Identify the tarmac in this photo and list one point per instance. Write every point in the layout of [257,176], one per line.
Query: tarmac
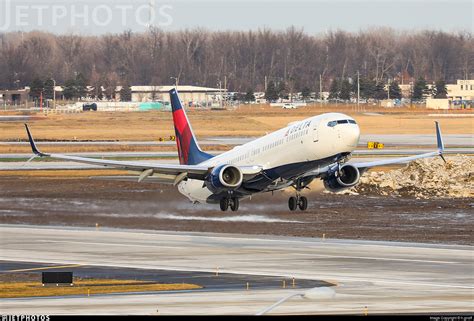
[369,276]
[453,140]
[367,152]
[215,281]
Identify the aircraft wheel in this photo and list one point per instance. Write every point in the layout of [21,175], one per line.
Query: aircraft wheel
[234,206]
[224,204]
[292,203]
[303,203]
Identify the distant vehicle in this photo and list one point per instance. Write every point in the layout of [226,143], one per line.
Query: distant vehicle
[337,101]
[288,106]
[89,107]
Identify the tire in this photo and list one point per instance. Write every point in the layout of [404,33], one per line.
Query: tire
[234,206]
[303,203]
[292,203]
[224,204]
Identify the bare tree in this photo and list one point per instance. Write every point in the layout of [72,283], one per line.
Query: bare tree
[243,58]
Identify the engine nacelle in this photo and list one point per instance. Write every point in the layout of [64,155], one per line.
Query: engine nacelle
[224,178]
[346,177]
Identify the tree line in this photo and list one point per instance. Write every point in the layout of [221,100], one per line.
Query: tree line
[345,89]
[76,88]
[290,60]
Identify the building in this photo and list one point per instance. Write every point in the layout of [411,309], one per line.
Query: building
[14,97]
[463,90]
[406,89]
[438,103]
[459,95]
[190,95]
[19,97]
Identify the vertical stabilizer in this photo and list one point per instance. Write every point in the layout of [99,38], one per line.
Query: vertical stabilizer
[188,148]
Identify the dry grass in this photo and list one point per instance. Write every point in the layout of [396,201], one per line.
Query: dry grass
[77,148]
[66,174]
[81,287]
[244,121]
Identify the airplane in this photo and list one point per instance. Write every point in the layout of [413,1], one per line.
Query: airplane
[318,147]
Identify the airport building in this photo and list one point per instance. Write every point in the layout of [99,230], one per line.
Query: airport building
[14,97]
[190,95]
[462,90]
[459,96]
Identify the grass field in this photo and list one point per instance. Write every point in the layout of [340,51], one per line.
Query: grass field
[78,148]
[245,121]
[66,174]
[86,287]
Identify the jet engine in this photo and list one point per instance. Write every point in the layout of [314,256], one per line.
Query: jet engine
[224,178]
[345,177]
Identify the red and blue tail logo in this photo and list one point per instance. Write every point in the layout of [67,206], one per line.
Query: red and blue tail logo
[188,149]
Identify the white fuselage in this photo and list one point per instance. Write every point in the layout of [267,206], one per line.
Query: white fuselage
[303,141]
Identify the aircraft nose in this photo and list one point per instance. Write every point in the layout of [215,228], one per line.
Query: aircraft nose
[352,135]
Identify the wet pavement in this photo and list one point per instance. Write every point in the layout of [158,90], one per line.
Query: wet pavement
[124,204]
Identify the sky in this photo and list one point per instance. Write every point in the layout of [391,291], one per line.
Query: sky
[91,17]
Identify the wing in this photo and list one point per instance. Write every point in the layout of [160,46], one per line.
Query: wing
[366,165]
[170,172]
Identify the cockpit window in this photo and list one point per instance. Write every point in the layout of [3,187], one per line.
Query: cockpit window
[342,121]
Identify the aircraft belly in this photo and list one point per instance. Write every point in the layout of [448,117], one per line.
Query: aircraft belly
[193,189]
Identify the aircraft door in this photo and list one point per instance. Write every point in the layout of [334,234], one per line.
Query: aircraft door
[315,133]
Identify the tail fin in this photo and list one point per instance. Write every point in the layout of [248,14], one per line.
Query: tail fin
[439,141]
[188,148]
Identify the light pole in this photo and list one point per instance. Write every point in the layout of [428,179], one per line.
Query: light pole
[54,94]
[311,294]
[220,93]
[388,89]
[320,90]
[176,81]
[358,90]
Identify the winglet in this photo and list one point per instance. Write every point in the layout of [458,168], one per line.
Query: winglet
[35,150]
[439,141]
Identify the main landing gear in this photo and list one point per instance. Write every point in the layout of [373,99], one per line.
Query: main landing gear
[298,201]
[232,202]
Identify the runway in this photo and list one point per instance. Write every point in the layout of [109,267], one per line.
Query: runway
[356,153]
[452,140]
[385,277]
